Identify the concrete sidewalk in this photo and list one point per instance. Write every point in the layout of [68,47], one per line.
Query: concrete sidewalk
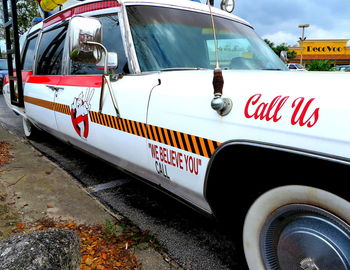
[36,188]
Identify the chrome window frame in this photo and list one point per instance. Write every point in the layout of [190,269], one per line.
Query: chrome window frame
[30,36]
[98,13]
[42,31]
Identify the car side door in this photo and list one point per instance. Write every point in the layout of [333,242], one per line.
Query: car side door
[119,139]
[41,86]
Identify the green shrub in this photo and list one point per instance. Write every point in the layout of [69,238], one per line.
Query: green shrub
[320,65]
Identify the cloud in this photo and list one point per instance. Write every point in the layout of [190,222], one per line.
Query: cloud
[282,37]
[313,32]
[278,20]
[338,32]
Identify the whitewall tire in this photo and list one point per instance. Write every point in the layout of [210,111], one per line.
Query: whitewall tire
[30,131]
[297,227]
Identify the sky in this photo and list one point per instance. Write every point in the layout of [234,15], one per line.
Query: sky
[278,20]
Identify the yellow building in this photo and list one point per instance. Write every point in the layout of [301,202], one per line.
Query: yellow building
[336,50]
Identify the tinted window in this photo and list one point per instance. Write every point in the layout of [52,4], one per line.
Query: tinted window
[50,51]
[28,57]
[112,40]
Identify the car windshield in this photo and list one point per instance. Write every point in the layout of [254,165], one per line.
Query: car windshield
[169,38]
[3,64]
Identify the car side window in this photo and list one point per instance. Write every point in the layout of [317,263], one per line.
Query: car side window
[28,56]
[112,40]
[50,51]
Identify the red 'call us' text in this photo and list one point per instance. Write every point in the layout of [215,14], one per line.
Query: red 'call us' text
[303,110]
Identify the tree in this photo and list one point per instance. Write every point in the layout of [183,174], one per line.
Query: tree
[270,43]
[26,11]
[282,47]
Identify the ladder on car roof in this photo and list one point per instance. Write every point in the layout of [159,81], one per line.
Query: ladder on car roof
[13,52]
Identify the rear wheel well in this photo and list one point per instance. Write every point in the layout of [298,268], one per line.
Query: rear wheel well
[240,173]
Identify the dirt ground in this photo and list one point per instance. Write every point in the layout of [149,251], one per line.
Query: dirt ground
[37,195]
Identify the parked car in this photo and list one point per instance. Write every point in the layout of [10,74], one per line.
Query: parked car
[296,67]
[3,71]
[342,68]
[214,118]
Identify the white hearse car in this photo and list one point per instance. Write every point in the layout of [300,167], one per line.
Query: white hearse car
[263,148]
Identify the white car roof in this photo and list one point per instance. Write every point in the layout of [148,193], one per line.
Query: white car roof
[187,4]
[183,4]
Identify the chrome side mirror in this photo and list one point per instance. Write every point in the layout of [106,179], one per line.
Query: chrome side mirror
[112,61]
[84,34]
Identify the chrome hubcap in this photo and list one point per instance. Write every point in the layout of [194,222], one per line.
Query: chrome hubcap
[305,237]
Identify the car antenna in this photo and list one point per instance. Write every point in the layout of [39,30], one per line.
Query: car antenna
[223,106]
[210,3]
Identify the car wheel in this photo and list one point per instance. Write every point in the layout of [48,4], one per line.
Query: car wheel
[298,227]
[30,131]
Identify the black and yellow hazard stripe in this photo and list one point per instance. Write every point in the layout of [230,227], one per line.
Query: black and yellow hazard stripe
[190,143]
[62,108]
[40,102]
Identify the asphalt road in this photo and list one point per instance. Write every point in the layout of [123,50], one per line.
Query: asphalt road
[192,240]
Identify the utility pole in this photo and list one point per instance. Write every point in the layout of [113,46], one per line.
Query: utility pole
[302,39]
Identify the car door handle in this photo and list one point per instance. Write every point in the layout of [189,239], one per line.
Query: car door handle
[54,88]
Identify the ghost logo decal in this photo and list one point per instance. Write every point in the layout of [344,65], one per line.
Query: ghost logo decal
[79,113]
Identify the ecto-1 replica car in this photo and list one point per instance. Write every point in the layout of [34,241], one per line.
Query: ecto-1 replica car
[263,148]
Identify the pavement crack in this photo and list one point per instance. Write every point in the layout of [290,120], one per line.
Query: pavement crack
[15,183]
